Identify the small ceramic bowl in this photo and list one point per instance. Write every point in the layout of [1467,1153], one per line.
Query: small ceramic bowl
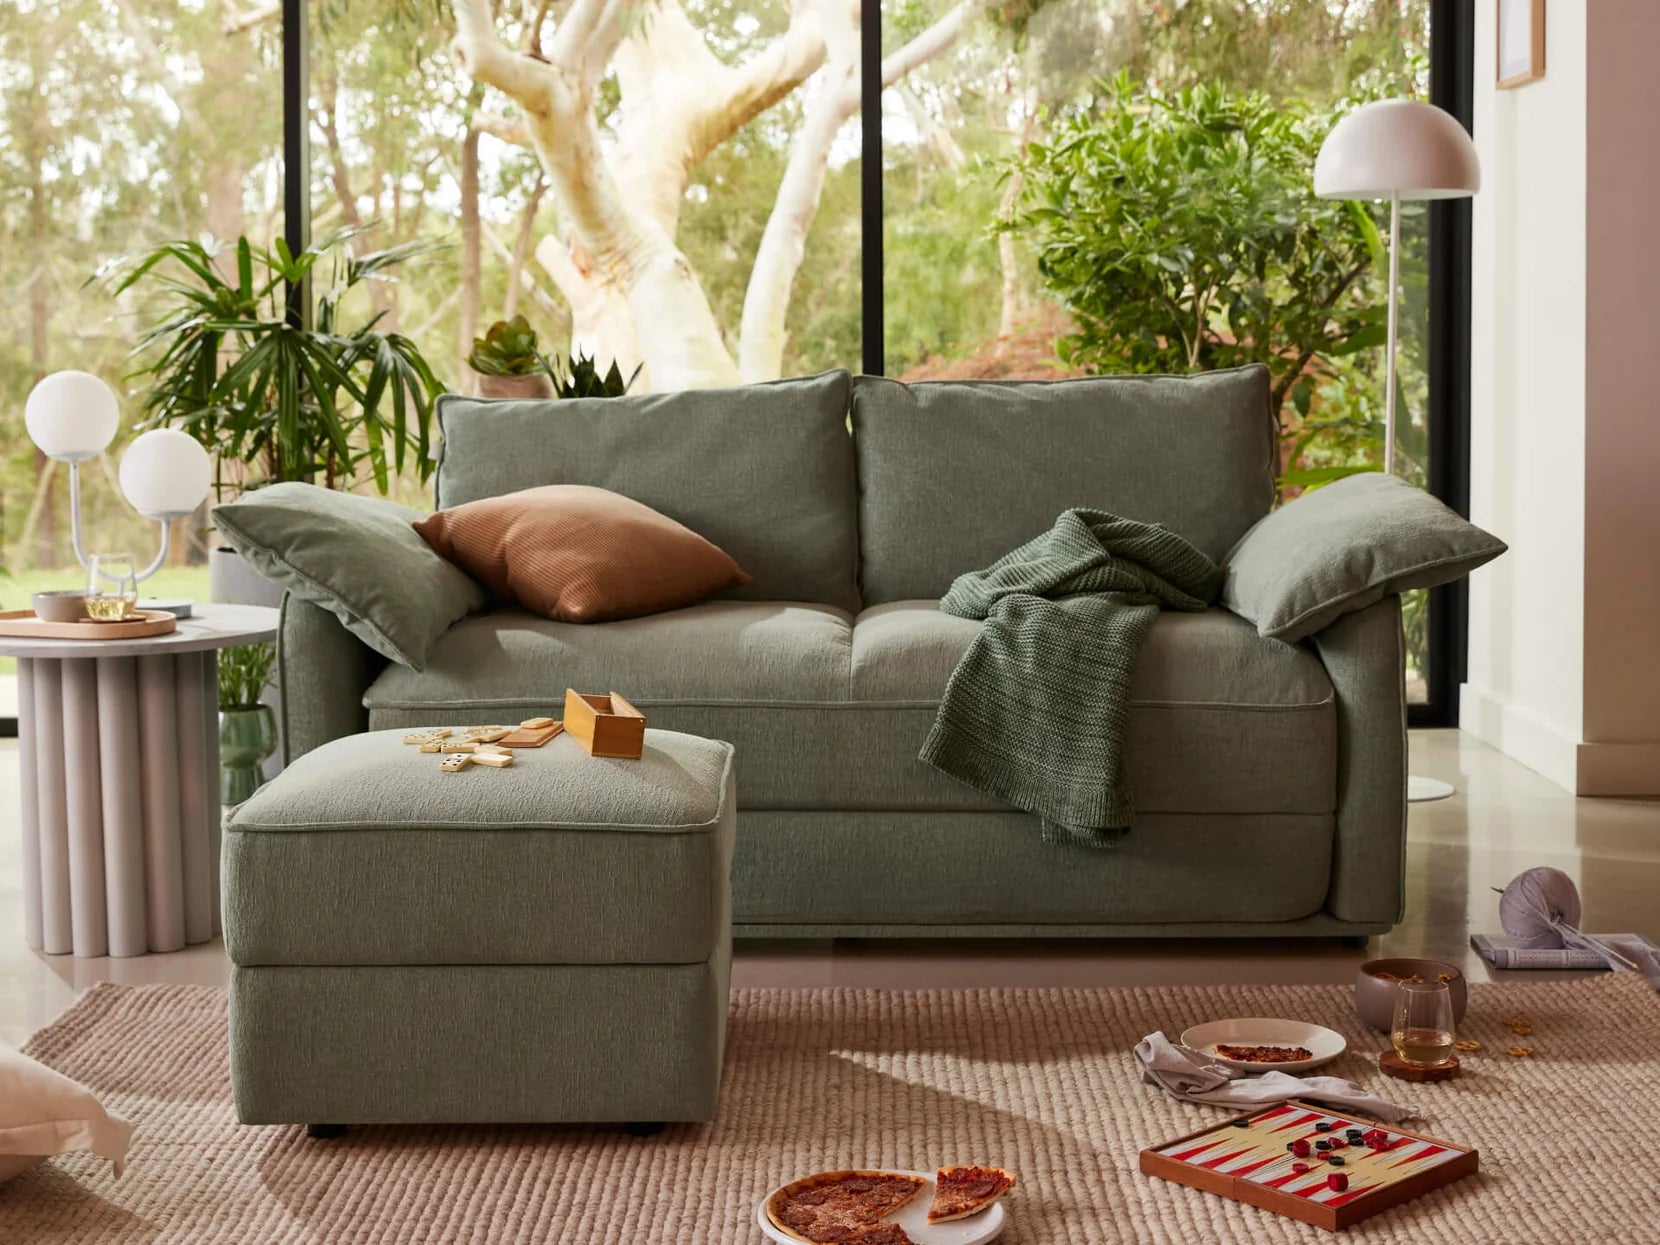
[1375,995]
[64,605]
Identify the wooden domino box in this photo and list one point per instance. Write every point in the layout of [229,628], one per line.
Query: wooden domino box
[1249,1159]
[607,726]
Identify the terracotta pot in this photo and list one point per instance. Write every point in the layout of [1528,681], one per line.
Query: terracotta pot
[536,385]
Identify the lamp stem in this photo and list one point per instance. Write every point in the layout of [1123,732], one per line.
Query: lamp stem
[75,512]
[161,556]
[1394,313]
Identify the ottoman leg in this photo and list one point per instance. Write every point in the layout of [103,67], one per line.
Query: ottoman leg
[643,1129]
[325,1132]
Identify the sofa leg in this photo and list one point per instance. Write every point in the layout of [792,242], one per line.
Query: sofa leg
[644,1129]
[1356,941]
[325,1132]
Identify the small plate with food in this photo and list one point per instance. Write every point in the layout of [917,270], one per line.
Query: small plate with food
[1259,1044]
[952,1206]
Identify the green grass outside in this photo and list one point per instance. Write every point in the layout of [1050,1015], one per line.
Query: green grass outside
[188,582]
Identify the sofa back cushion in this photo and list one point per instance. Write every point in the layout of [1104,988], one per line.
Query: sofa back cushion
[765,472]
[954,474]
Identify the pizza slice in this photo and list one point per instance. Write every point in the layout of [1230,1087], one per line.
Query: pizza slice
[882,1234]
[843,1206]
[963,1191]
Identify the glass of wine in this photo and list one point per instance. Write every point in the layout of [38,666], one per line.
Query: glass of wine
[111,586]
[1423,1030]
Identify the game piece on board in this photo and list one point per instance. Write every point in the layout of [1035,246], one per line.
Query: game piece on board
[1299,1147]
[1354,1135]
[1324,1126]
[1301,1169]
[1337,1182]
[1322,1145]
[1336,1160]
[1242,1123]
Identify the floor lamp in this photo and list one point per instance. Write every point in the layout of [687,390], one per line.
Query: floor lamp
[1398,149]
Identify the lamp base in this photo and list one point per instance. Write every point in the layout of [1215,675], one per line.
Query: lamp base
[1419,790]
[177,608]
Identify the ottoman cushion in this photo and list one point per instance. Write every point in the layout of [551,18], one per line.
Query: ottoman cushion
[363,853]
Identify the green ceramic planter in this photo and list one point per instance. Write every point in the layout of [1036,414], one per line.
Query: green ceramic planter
[247,737]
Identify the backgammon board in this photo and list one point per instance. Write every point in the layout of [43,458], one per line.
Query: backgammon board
[1328,1169]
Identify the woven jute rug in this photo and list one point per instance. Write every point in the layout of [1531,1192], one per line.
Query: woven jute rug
[1040,1081]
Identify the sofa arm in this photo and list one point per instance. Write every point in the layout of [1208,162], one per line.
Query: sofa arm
[1365,657]
[322,672]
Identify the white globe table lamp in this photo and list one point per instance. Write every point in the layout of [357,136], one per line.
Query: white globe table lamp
[1398,149]
[73,416]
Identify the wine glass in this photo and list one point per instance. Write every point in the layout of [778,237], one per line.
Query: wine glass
[1423,1029]
[111,586]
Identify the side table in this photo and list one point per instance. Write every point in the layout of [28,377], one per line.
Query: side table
[120,767]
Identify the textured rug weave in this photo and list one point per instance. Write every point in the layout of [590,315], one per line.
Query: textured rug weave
[1040,1081]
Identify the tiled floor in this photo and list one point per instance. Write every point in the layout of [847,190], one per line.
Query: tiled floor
[1503,819]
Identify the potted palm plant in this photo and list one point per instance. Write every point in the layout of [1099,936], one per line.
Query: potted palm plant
[247,729]
[329,399]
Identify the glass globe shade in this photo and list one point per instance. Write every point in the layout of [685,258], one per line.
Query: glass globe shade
[71,416]
[165,473]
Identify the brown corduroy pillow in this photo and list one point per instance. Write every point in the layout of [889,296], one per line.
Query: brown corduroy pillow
[580,554]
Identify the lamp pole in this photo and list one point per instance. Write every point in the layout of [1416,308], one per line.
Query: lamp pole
[1394,330]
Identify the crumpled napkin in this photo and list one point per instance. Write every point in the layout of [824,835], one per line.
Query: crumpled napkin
[1184,1073]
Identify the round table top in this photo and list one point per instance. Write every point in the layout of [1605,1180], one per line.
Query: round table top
[209,627]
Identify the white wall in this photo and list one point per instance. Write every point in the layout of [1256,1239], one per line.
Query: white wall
[1527,402]
[1565,411]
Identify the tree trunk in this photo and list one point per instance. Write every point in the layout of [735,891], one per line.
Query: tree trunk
[471,249]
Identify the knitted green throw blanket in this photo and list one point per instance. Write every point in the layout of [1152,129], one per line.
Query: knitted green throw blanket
[1035,711]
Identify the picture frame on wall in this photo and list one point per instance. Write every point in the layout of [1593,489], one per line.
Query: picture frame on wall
[1521,42]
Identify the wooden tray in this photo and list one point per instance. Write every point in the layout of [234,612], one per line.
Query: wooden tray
[1247,1161]
[22,624]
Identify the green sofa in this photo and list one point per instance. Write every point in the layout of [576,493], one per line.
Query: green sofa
[1269,776]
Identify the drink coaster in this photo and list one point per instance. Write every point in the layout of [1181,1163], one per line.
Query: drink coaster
[1391,1064]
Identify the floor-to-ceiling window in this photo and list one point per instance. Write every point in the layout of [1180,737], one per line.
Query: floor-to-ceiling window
[722,192]
[123,123]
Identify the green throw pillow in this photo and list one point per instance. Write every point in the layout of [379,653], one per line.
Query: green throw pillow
[1344,547]
[357,557]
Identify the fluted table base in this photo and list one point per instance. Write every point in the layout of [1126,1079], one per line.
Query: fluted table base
[120,761]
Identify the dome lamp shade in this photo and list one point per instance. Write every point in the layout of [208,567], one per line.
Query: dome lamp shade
[71,416]
[165,474]
[1397,147]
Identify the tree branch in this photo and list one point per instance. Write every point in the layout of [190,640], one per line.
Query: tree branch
[507,129]
[238,23]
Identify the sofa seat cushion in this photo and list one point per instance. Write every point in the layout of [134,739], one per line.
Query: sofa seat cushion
[828,713]
[363,852]
[1221,720]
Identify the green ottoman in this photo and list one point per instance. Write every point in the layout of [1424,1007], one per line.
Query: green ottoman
[546,942]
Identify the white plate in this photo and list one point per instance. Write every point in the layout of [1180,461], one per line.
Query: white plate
[913,1217]
[1324,1044]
